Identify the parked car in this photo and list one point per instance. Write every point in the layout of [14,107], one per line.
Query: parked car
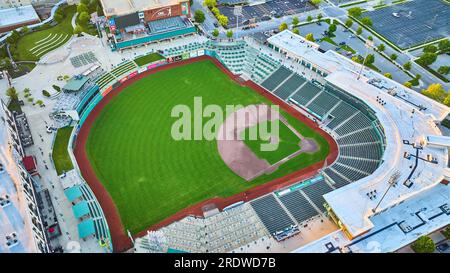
[443,247]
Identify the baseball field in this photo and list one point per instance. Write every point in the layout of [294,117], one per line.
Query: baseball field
[150,176]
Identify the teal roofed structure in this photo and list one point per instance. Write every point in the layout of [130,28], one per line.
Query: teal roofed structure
[73,193]
[75,84]
[81,209]
[86,228]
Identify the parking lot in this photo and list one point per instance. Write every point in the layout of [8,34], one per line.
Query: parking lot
[265,11]
[412,23]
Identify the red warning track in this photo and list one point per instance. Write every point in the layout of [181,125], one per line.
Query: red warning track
[120,240]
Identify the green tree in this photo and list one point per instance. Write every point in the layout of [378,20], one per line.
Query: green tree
[332,28]
[423,244]
[230,33]
[82,8]
[444,70]
[366,21]
[370,59]
[427,58]
[310,37]
[319,16]
[435,91]
[430,48]
[215,32]
[388,75]
[223,20]
[370,38]
[381,47]
[309,18]
[407,66]
[393,56]
[444,46]
[12,93]
[77,30]
[295,21]
[296,31]
[84,18]
[446,232]
[283,26]
[407,84]
[349,23]
[5,63]
[210,3]
[359,31]
[355,11]
[85,2]
[199,16]
[316,2]
[215,11]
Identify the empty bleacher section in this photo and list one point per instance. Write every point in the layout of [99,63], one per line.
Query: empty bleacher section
[179,50]
[123,68]
[305,94]
[104,80]
[276,78]
[323,103]
[298,206]
[289,86]
[338,180]
[341,113]
[232,55]
[273,216]
[221,232]
[316,191]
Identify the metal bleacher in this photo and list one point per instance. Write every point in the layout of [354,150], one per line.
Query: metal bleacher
[316,191]
[276,78]
[298,206]
[272,215]
[305,94]
[289,87]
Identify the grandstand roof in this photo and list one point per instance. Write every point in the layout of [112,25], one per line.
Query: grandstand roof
[81,209]
[124,7]
[75,84]
[86,228]
[73,193]
[350,203]
[19,15]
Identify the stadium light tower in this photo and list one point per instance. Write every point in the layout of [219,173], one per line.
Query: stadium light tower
[393,181]
[237,12]
[368,45]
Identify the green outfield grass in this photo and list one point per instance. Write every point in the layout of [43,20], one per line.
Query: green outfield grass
[288,142]
[60,154]
[149,175]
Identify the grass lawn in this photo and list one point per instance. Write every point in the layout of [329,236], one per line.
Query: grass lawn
[141,61]
[149,175]
[34,40]
[60,155]
[287,145]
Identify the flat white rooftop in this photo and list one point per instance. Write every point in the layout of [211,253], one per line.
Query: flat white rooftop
[15,16]
[393,228]
[123,7]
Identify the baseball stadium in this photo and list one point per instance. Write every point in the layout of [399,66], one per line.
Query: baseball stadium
[147,181]
[158,138]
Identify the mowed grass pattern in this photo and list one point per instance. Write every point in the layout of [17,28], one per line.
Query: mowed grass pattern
[288,141]
[149,175]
